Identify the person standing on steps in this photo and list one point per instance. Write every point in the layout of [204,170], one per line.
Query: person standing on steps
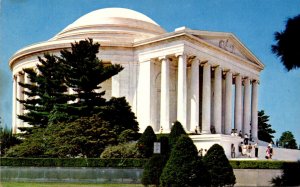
[256,150]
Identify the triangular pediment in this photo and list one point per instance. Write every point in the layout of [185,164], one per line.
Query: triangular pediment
[227,42]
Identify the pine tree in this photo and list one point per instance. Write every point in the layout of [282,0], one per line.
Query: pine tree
[218,166]
[264,128]
[84,73]
[146,142]
[46,90]
[176,131]
[118,112]
[184,167]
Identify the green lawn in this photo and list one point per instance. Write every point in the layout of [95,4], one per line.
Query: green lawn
[25,184]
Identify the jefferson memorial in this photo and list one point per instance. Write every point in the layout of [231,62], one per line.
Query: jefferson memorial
[206,80]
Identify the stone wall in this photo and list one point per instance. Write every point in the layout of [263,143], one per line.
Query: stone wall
[244,177]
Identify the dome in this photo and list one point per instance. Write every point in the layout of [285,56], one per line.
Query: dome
[112,24]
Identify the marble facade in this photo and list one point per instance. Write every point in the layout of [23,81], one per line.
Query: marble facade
[202,79]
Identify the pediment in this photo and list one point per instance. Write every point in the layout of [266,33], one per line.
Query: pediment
[227,42]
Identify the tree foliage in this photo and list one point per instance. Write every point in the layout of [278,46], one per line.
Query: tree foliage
[287,44]
[45,90]
[146,142]
[123,150]
[287,140]
[176,131]
[264,128]
[153,169]
[289,176]
[184,167]
[7,140]
[218,166]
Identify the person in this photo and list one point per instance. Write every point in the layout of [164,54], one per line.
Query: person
[161,129]
[246,139]
[249,149]
[240,148]
[232,151]
[240,134]
[244,149]
[200,153]
[196,131]
[235,132]
[204,152]
[268,153]
[256,149]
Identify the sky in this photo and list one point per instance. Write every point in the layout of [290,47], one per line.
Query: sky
[253,22]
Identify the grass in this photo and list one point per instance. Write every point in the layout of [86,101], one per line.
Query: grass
[31,184]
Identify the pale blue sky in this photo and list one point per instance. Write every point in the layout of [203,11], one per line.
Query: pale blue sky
[24,22]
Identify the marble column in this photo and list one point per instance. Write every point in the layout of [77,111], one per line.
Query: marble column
[228,102]
[194,95]
[254,100]
[165,95]
[217,121]
[247,113]
[14,107]
[238,104]
[206,98]
[182,91]
[20,96]
[145,96]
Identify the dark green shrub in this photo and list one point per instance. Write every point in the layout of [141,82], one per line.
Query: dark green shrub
[256,164]
[290,175]
[164,145]
[153,169]
[176,131]
[218,166]
[127,136]
[73,162]
[146,142]
[125,150]
[184,167]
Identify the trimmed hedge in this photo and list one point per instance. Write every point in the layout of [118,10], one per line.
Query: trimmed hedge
[73,162]
[258,164]
[121,163]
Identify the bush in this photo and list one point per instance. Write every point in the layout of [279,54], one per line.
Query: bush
[127,136]
[184,167]
[218,166]
[125,150]
[257,164]
[176,131]
[153,169]
[73,162]
[290,175]
[146,142]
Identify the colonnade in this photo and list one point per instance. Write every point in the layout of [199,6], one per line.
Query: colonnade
[239,111]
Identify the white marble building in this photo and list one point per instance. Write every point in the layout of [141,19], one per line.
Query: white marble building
[199,78]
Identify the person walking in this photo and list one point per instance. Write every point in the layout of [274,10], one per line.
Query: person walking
[232,151]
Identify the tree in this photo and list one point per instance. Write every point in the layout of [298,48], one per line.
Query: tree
[288,40]
[146,142]
[176,131]
[289,176]
[153,168]
[46,90]
[84,73]
[264,128]
[118,112]
[218,166]
[184,167]
[287,140]
[86,136]
[7,140]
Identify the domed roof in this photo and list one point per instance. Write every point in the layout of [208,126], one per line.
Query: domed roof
[111,23]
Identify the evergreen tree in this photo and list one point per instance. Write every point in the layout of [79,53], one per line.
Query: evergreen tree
[86,136]
[288,40]
[176,131]
[146,142]
[287,140]
[153,169]
[264,128]
[7,140]
[219,167]
[118,112]
[184,167]
[154,166]
[46,90]
[84,73]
